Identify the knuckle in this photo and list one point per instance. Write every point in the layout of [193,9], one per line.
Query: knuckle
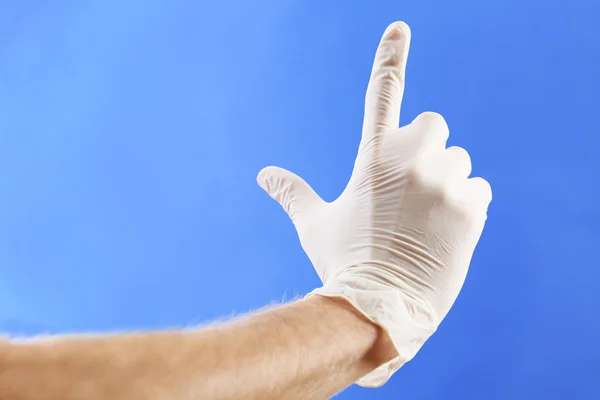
[433,118]
[482,189]
[483,185]
[459,153]
[459,158]
[434,125]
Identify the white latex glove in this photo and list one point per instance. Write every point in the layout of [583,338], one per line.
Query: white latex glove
[398,241]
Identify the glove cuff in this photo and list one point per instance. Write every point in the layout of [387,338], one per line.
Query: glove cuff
[408,324]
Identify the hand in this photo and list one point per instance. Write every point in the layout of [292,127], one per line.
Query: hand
[398,241]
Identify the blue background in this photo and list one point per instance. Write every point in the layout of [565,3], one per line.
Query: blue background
[131,134]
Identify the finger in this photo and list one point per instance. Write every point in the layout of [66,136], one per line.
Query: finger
[430,130]
[293,193]
[459,162]
[386,85]
[480,191]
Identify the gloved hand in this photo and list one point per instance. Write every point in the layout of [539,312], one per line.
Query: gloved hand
[398,241]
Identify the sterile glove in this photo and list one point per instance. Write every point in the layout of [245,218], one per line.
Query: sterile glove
[398,241]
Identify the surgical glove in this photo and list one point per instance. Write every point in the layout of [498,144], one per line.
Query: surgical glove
[398,241]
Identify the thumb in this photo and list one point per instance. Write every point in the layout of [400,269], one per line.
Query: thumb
[289,190]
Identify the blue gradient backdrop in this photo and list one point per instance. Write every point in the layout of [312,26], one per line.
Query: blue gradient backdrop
[131,134]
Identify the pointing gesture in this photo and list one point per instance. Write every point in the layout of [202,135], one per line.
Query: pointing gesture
[398,242]
[386,86]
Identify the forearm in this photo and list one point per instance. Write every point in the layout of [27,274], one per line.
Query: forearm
[312,348]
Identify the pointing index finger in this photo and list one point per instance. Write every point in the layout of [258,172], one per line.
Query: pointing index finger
[386,86]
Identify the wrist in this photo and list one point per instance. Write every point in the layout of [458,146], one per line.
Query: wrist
[407,324]
[382,349]
[381,291]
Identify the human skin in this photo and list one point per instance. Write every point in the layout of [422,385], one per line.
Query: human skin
[309,349]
